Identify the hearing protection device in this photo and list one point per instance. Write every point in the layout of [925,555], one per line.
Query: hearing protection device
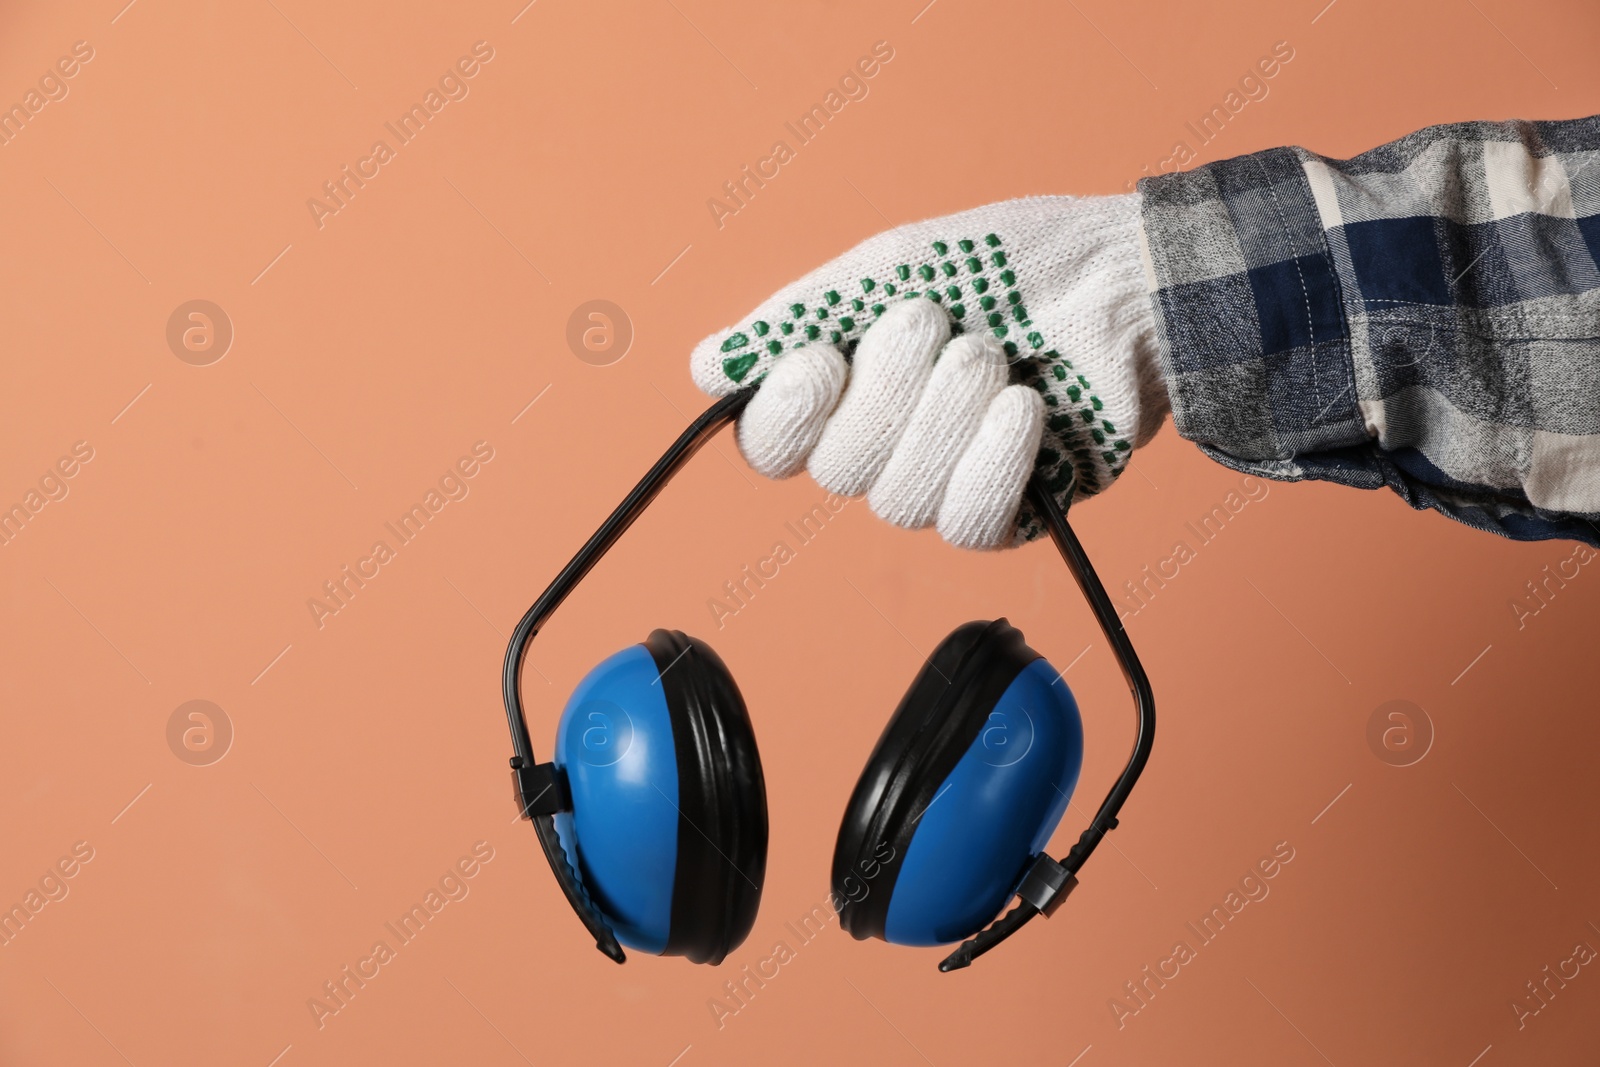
[652,812]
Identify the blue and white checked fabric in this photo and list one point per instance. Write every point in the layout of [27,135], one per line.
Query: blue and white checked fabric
[1424,316]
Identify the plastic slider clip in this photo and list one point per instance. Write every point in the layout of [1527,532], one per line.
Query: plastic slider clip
[1046,885]
[539,789]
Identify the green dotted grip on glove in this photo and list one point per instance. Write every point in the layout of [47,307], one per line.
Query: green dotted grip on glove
[970,283]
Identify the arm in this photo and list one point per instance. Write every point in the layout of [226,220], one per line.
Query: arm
[1424,316]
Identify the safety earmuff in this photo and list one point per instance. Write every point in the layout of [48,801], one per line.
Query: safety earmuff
[668,807]
[966,785]
[652,813]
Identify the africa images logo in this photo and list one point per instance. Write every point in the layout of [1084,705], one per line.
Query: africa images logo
[852,86]
[452,85]
[452,886]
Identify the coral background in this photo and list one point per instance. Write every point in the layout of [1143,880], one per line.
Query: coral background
[375,346]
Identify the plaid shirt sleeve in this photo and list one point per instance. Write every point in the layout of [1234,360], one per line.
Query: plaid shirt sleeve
[1424,316]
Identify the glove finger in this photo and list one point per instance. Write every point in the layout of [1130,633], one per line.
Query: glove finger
[968,374]
[980,503]
[783,421]
[891,369]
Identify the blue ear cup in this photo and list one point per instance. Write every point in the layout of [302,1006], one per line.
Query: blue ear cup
[964,788]
[668,827]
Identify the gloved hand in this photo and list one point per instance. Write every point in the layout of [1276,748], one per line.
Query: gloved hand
[1053,364]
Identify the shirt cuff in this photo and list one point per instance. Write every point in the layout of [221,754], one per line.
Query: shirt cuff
[1249,316]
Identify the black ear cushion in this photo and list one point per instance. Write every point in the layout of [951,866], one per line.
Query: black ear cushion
[722,801]
[935,724]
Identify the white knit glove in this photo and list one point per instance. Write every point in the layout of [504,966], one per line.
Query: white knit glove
[1053,366]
